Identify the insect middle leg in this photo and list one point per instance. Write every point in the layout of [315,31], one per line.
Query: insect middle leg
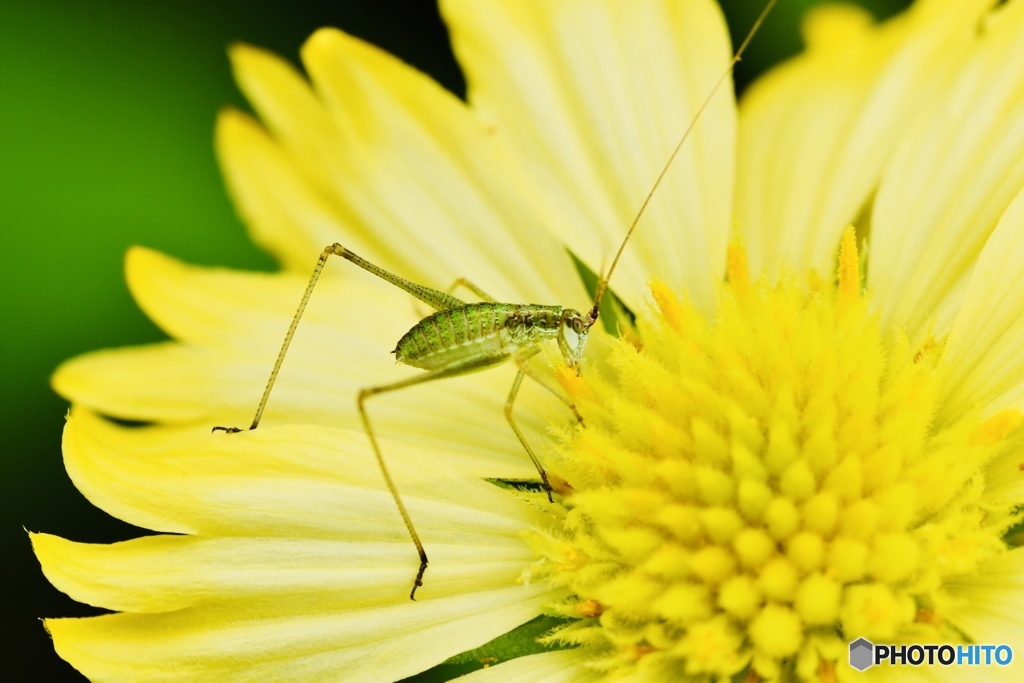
[484,296]
[521,361]
[463,282]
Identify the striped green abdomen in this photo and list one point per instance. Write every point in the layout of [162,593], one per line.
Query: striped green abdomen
[476,330]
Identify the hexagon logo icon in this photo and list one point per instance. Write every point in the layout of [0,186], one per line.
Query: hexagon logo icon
[861,654]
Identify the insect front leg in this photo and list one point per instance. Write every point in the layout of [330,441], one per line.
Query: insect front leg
[532,374]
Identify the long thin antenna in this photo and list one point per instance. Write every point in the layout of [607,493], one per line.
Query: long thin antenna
[602,283]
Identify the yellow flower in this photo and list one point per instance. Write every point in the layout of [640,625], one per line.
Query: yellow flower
[779,461]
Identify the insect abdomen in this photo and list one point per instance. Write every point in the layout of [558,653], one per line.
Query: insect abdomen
[474,330]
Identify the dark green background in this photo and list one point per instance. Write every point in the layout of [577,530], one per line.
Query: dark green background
[106,124]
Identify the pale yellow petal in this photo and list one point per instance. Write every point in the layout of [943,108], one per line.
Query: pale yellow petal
[166,573]
[246,311]
[294,114]
[427,171]
[302,567]
[562,666]
[226,642]
[989,608]
[950,180]
[590,99]
[411,171]
[232,325]
[1004,476]
[197,390]
[293,481]
[160,382]
[281,181]
[815,133]
[982,363]
[893,674]
[283,211]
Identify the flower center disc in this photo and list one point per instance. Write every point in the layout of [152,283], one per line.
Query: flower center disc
[760,489]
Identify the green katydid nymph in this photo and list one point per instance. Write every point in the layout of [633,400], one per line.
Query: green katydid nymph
[462,337]
[458,338]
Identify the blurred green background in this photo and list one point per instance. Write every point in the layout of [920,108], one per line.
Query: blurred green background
[106,124]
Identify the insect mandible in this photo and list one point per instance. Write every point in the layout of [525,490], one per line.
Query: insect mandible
[462,337]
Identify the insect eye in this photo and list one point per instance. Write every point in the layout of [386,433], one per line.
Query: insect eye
[577,325]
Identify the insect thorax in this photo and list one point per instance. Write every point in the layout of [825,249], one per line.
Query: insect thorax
[479,330]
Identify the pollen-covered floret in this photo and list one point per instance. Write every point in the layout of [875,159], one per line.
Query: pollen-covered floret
[757,489]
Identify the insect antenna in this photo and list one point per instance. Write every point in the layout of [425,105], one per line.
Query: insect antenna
[602,283]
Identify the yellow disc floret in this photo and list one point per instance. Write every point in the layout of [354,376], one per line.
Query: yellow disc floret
[752,490]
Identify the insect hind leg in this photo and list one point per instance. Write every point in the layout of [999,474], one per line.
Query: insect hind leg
[330,250]
[364,416]
[451,370]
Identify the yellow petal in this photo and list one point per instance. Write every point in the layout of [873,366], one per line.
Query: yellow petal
[815,133]
[293,112]
[232,325]
[988,607]
[282,210]
[301,567]
[590,98]
[1004,476]
[235,310]
[950,180]
[460,218]
[227,642]
[399,151]
[982,364]
[109,382]
[294,481]
[166,573]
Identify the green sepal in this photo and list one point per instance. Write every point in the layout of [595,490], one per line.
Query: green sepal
[532,485]
[518,642]
[613,312]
